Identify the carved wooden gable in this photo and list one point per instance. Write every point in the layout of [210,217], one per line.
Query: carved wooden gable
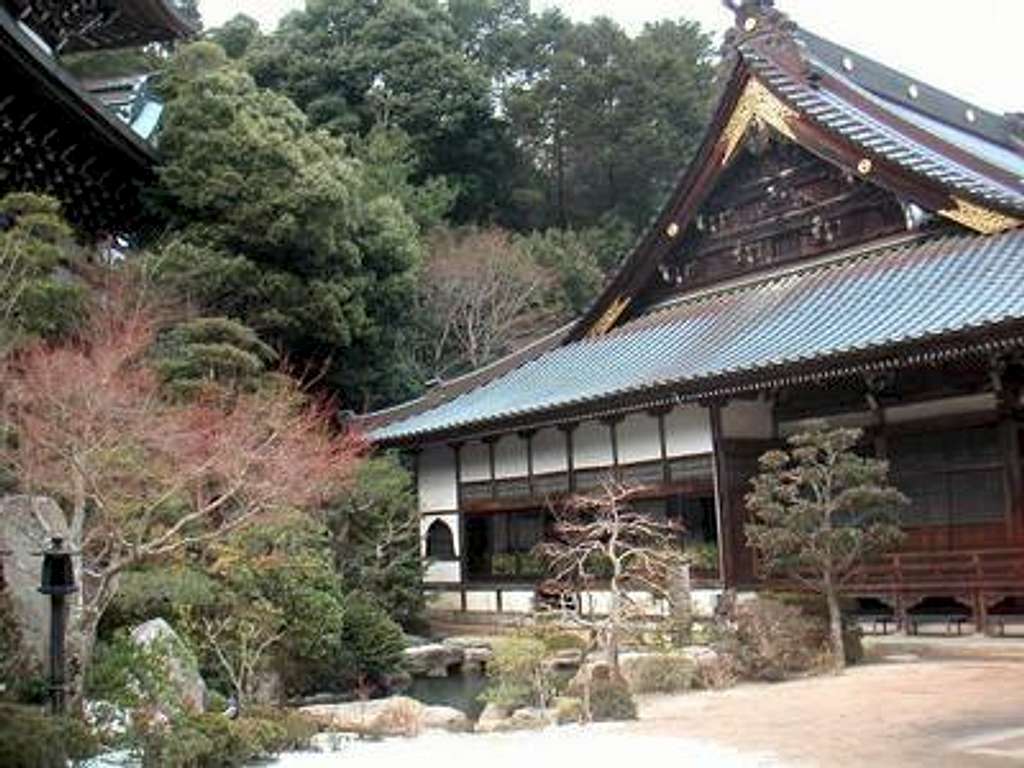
[775,205]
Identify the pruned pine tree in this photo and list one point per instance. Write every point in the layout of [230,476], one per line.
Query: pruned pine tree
[600,543]
[820,510]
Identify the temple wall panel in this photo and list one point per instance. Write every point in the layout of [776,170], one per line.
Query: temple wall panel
[442,600]
[475,458]
[748,419]
[853,419]
[549,454]
[443,573]
[511,457]
[435,475]
[486,602]
[949,406]
[639,438]
[592,445]
[688,431]
[519,601]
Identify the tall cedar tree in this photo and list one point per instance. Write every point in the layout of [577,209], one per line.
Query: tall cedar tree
[144,478]
[819,510]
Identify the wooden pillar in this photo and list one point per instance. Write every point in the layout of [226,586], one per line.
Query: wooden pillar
[457,449]
[1009,432]
[726,544]
[567,430]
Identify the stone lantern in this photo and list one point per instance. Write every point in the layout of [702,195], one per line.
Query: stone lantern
[57,581]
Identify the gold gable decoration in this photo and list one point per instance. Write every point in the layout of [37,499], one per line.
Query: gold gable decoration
[612,314]
[760,106]
[978,218]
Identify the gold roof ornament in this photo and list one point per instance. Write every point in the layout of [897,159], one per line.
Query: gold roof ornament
[979,218]
[610,316]
[759,106]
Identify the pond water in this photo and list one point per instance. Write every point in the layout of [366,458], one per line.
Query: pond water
[461,691]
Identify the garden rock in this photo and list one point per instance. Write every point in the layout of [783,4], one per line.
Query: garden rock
[566,659]
[433,660]
[393,716]
[445,719]
[27,523]
[492,719]
[183,678]
[532,718]
[334,741]
[477,659]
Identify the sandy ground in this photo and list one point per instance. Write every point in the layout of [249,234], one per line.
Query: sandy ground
[912,713]
[594,746]
[902,713]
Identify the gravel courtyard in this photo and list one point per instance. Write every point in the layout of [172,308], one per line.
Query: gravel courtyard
[899,713]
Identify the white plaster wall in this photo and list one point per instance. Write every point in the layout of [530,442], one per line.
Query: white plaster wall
[517,602]
[444,572]
[436,479]
[944,407]
[444,600]
[638,438]
[510,457]
[549,451]
[704,602]
[453,523]
[475,458]
[592,445]
[748,419]
[688,431]
[482,602]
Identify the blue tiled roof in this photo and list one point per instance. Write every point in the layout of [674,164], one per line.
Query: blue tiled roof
[914,291]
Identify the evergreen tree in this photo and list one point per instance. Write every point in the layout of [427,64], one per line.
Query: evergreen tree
[279,227]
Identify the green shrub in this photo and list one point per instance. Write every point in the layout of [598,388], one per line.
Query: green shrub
[661,673]
[771,640]
[816,609]
[611,699]
[568,710]
[372,642]
[519,677]
[126,674]
[213,741]
[152,592]
[30,739]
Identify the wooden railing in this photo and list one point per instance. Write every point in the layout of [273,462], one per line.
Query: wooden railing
[999,570]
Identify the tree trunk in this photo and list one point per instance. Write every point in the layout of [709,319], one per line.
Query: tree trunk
[835,625]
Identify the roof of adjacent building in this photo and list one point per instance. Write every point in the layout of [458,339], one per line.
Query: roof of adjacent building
[90,26]
[861,301]
[926,146]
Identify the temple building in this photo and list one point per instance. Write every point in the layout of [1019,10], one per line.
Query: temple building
[847,244]
[92,151]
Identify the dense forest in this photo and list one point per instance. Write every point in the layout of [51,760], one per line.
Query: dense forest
[395,192]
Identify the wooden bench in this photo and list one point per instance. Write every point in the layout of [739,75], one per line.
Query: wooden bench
[996,624]
[879,620]
[950,620]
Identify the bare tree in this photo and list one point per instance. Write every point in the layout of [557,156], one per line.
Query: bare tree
[143,477]
[600,542]
[238,640]
[481,293]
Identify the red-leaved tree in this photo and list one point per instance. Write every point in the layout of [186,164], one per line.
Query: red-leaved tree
[143,477]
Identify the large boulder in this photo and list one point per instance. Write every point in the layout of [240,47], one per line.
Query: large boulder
[435,660]
[449,719]
[185,684]
[393,716]
[27,523]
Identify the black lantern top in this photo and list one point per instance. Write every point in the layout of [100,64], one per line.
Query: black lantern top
[58,572]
